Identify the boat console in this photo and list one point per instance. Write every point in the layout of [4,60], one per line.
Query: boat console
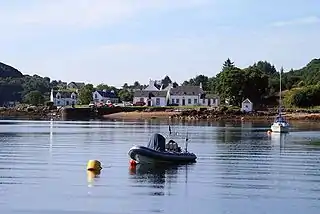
[173,146]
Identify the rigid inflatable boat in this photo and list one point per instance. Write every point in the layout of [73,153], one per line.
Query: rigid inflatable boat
[157,151]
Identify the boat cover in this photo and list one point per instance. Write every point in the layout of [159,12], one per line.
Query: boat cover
[157,142]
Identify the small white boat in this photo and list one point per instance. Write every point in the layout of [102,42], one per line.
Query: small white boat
[280,125]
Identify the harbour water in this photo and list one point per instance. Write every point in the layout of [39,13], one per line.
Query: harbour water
[240,169]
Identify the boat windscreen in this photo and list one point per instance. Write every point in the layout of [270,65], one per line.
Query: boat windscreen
[157,142]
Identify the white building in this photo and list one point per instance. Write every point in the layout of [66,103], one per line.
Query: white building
[191,96]
[247,106]
[156,95]
[63,98]
[104,95]
[151,98]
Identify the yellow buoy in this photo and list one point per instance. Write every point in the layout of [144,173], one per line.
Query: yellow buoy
[94,165]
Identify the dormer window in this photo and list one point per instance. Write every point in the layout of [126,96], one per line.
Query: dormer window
[96,96]
[58,96]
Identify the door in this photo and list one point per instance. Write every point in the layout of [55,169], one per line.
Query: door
[209,102]
[149,102]
[183,102]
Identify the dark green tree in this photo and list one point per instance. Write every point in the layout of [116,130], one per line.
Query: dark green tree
[34,98]
[125,95]
[85,94]
[228,64]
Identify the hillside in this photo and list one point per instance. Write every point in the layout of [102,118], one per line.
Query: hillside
[8,71]
[308,75]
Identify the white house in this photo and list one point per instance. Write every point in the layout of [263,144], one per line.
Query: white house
[247,106]
[104,96]
[191,96]
[210,100]
[63,98]
[151,98]
[156,95]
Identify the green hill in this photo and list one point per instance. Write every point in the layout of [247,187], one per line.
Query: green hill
[8,71]
[308,75]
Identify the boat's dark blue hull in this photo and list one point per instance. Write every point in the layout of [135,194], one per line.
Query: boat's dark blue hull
[143,154]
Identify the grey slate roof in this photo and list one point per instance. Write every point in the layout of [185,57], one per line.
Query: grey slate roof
[64,94]
[142,93]
[108,94]
[186,90]
[211,96]
[77,84]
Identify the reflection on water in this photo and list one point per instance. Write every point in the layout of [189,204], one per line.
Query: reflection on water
[240,168]
[156,177]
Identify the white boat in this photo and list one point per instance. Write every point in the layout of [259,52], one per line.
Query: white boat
[280,125]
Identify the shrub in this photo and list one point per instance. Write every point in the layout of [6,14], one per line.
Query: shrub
[303,97]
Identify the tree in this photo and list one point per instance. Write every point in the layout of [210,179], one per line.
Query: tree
[229,85]
[256,83]
[85,94]
[228,64]
[34,98]
[204,80]
[125,95]
[166,81]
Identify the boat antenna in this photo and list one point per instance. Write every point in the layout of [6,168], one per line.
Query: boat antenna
[187,139]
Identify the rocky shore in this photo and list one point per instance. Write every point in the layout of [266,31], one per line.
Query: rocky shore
[213,114]
[28,112]
[238,115]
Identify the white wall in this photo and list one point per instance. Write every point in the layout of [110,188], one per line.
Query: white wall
[186,98]
[64,101]
[139,99]
[247,107]
[213,102]
[162,100]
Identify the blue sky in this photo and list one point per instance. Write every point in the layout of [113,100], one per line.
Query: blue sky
[118,41]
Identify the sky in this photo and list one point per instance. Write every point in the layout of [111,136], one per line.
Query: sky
[121,41]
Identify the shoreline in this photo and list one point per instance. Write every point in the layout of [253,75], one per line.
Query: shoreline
[180,116]
[174,114]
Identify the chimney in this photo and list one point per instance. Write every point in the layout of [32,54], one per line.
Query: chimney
[104,90]
[201,85]
[161,88]
[151,82]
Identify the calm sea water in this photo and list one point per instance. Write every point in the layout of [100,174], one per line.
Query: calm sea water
[240,169]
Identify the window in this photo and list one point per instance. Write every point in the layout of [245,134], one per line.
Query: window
[158,101]
[58,96]
[177,101]
[203,101]
[141,99]
[67,102]
[195,101]
[96,96]
[189,101]
[172,101]
[58,102]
